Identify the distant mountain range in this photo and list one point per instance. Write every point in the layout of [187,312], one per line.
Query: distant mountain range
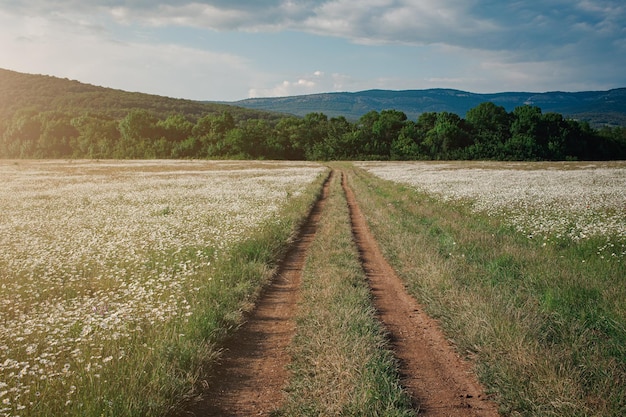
[597,107]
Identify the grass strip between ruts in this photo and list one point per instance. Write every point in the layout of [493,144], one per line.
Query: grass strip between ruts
[342,364]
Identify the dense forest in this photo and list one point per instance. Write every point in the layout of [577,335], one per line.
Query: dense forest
[47,117]
[488,131]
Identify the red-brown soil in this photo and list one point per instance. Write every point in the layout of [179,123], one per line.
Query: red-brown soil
[252,374]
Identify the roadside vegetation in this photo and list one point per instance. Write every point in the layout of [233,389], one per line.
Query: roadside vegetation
[543,318]
[342,363]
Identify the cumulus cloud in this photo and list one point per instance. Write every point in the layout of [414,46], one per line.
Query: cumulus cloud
[479,24]
[306,84]
[322,82]
[409,22]
[413,21]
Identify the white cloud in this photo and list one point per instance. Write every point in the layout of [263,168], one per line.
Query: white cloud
[192,14]
[466,23]
[366,21]
[314,82]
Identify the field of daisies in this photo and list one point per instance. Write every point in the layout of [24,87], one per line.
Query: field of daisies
[549,201]
[94,255]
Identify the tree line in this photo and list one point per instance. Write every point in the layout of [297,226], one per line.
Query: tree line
[488,131]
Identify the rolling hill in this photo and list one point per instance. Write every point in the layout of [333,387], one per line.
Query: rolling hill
[43,93]
[597,107]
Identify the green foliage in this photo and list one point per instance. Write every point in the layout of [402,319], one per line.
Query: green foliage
[447,136]
[97,136]
[490,125]
[407,145]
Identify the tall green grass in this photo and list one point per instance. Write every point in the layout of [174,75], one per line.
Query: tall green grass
[546,325]
[342,364]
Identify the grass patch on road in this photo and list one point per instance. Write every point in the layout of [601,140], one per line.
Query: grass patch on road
[546,325]
[342,364]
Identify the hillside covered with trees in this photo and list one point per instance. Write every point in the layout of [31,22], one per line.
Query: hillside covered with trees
[47,117]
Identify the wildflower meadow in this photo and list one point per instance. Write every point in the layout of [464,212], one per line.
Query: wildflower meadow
[95,253]
[550,201]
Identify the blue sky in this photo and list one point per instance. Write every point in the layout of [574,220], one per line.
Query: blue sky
[235,49]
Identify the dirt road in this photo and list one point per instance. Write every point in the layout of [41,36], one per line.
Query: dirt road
[252,373]
[439,381]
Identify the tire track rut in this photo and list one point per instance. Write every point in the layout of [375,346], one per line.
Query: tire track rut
[439,381]
[251,373]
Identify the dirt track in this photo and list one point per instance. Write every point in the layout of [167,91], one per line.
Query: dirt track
[250,378]
[439,381]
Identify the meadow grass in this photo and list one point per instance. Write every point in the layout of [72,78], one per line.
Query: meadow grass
[543,319]
[341,364]
[119,279]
